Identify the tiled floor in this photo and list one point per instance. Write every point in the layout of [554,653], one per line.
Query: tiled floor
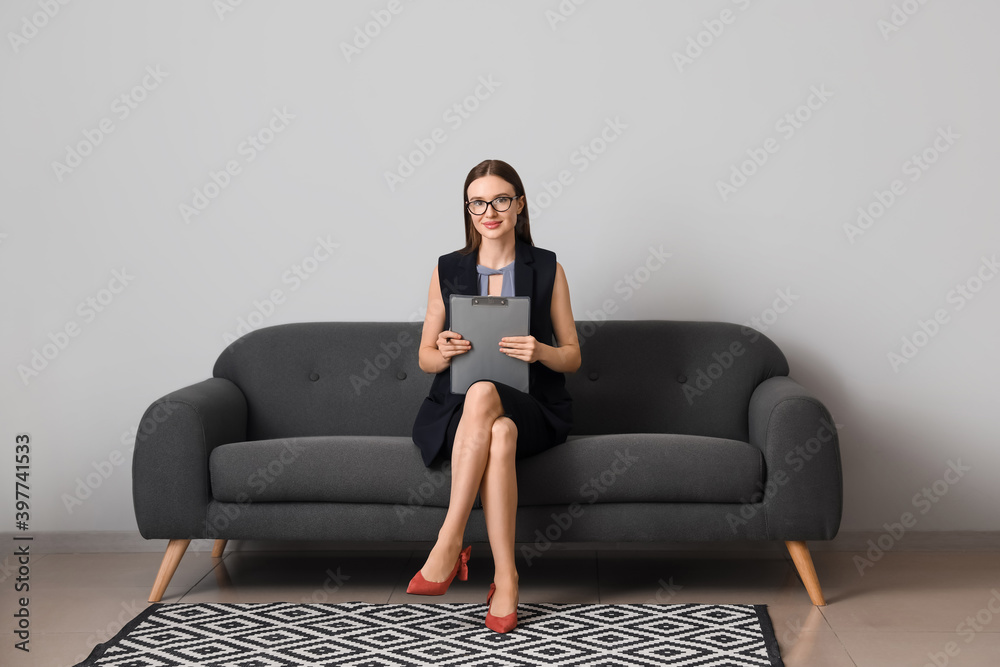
[909,608]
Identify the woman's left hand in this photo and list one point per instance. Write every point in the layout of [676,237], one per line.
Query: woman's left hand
[521,347]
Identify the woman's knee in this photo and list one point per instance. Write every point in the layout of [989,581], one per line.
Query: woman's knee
[504,440]
[483,397]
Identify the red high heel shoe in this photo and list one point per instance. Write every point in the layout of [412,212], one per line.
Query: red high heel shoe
[420,586]
[499,623]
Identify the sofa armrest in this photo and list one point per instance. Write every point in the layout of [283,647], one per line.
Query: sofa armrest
[170,480]
[803,495]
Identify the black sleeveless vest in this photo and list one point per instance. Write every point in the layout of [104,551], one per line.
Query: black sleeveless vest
[534,276]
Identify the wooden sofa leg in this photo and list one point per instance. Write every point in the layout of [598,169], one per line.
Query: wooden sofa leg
[804,566]
[171,559]
[218,548]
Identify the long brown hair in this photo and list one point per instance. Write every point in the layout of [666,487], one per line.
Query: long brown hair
[522,227]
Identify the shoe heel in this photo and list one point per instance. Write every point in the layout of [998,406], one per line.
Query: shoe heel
[420,586]
[463,568]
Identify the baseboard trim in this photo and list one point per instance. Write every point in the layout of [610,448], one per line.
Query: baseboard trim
[860,541]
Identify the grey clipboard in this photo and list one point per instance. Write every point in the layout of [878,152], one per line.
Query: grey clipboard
[484,320]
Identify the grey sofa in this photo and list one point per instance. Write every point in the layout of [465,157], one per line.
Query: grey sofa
[683,431]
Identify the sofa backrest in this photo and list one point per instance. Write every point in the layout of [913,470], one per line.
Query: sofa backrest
[667,376]
[362,378]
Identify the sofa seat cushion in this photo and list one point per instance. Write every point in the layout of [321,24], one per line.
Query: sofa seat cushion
[615,468]
[337,468]
[641,467]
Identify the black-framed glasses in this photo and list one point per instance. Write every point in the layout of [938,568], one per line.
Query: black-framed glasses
[499,204]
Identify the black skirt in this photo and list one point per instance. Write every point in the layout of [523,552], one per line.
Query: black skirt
[534,433]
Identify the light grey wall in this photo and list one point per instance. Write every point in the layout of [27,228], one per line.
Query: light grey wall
[162,95]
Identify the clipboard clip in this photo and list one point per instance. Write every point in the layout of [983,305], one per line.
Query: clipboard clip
[489,301]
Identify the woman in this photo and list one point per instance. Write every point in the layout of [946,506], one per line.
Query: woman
[492,424]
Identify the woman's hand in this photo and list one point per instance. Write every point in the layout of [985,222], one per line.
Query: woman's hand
[521,347]
[450,343]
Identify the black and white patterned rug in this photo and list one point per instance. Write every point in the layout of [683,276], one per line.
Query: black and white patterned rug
[360,634]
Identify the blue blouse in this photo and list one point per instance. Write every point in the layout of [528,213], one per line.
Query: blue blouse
[508,279]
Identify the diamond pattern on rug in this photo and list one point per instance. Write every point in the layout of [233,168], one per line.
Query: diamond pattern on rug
[359,634]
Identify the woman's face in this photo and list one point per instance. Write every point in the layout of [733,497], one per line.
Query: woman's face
[490,223]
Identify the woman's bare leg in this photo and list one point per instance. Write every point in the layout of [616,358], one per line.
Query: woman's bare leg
[499,494]
[468,461]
